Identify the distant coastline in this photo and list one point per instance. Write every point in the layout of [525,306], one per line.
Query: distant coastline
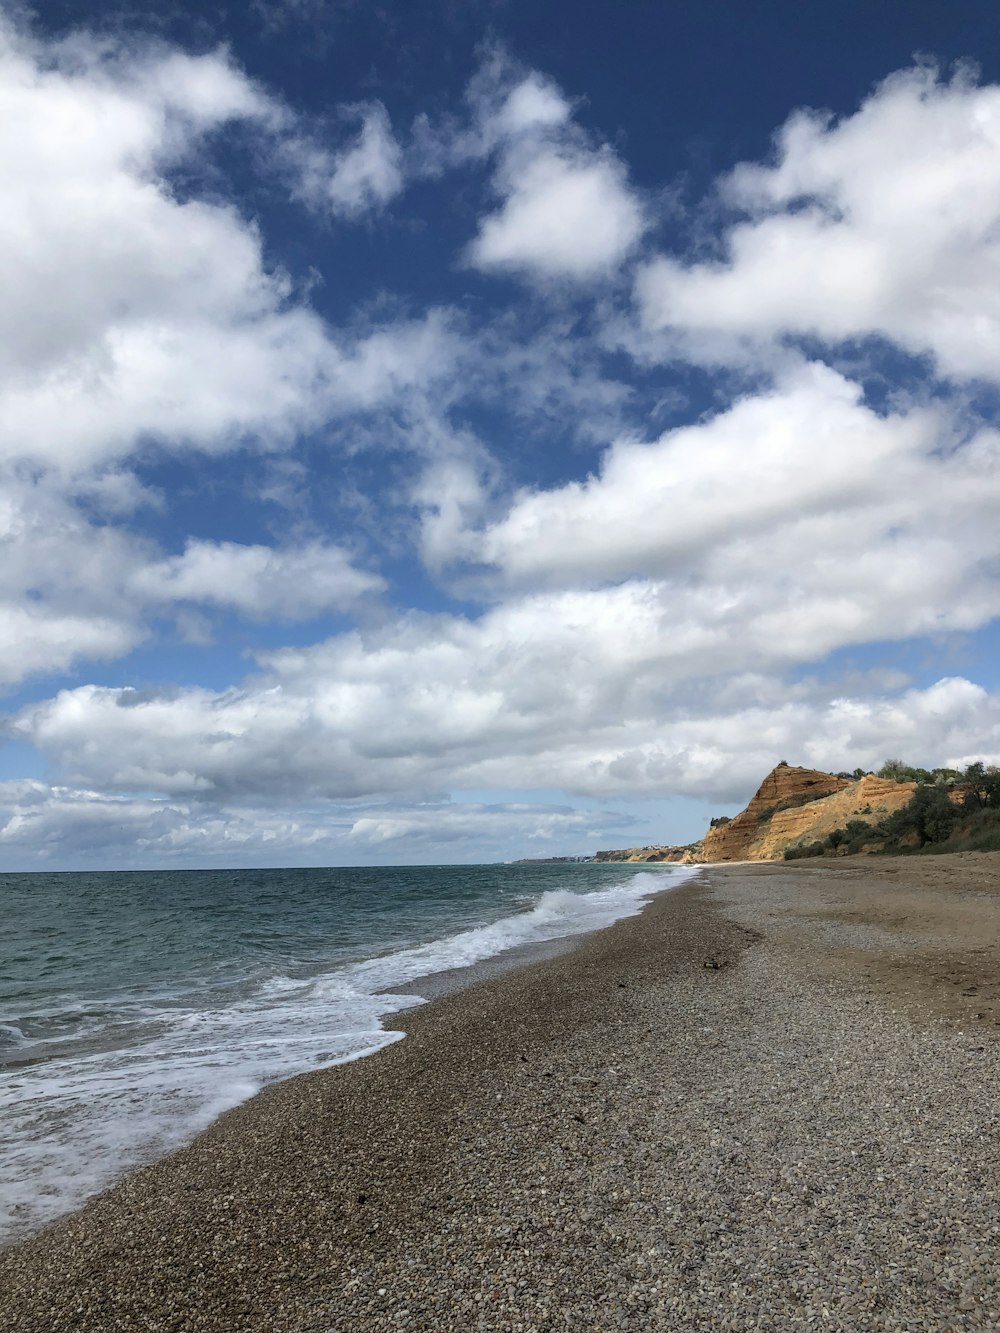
[799,813]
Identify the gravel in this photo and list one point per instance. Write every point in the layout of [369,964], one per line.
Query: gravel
[682,1124]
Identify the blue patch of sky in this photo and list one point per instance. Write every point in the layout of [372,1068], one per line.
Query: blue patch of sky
[643,64]
[922,660]
[20,760]
[889,375]
[649,821]
[161,662]
[208,498]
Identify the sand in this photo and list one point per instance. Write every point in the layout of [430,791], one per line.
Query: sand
[768,1102]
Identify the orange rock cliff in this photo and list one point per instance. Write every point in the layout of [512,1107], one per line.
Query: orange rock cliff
[792,806]
[797,805]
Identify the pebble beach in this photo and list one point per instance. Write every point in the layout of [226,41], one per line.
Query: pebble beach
[768,1102]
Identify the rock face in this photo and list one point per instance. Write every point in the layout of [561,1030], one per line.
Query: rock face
[799,805]
[792,807]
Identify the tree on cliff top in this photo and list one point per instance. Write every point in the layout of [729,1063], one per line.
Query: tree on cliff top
[984,786]
[896,771]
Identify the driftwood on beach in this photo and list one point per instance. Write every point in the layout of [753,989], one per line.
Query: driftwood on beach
[768,1102]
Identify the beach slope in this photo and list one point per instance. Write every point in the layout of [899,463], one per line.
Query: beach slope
[768,1102]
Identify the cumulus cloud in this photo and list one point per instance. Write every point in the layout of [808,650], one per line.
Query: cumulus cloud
[258,580]
[793,523]
[567,210]
[718,752]
[533,104]
[60,583]
[135,320]
[356,179]
[503,103]
[129,315]
[45,640]
[562,216]
[368,173]
[125,311]
[797,522]
[596,693]
[884,222]
[66,826]
[73,587]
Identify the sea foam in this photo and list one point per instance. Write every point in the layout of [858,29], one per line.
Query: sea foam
[142,1079]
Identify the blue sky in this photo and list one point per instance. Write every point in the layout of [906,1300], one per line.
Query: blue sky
[467,431]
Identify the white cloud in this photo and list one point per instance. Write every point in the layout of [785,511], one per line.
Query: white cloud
[64,826]
[129,315]
[796,522]
[60,583]
[451,493]
[567,210]
[290,740]
[356,179]
[885,222]
[524,825]
[124,311]
[639,630]
[534,103]
[505,102]
[47,641]
[400,358]
[563,216]
[72,588]
[717,752]
[367,174]
[134,320]
[258,580]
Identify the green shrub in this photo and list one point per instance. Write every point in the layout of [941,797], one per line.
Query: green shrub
[928,817]
[858,835]
[803,850]
[897,771]
[976,832]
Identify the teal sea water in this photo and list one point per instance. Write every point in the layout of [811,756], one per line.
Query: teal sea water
[137,1007]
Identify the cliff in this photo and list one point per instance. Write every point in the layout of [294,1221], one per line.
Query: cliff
[795,809]
[800,805]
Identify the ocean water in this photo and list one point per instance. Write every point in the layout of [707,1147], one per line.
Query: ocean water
[137,1007]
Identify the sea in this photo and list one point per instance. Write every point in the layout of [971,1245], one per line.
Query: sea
[136,1007]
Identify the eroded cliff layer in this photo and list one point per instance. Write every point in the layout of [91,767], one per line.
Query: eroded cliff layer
[797,805]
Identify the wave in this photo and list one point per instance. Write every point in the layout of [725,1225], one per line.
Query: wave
[157,1075]
[558,913]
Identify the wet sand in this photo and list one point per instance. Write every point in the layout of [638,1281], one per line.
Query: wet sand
[768,1102]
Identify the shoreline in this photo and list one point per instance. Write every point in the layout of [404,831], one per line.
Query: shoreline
[104,1126]
[637,1133]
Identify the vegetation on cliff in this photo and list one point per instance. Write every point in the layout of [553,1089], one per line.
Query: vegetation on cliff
[949,810]
[804,812]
